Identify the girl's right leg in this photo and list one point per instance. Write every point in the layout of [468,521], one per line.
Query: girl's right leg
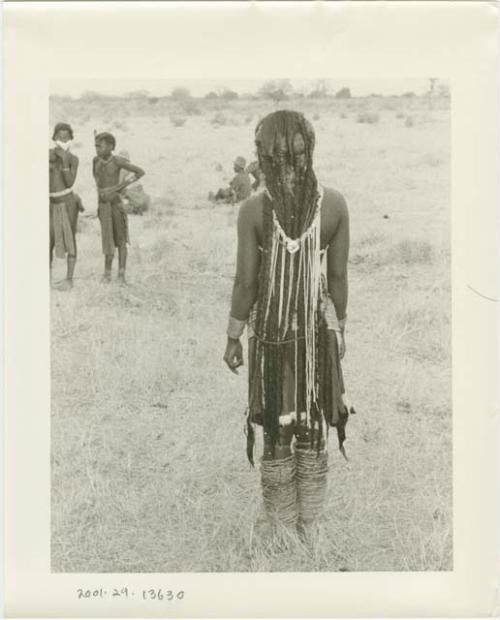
[108,264]
[311,459]
[279,489]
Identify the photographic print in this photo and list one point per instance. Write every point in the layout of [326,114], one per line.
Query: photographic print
[250,325]
[257,373]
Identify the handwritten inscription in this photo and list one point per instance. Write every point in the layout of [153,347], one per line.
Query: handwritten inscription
[151,594]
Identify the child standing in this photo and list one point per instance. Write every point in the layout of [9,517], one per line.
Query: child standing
[106,169]
[64,204]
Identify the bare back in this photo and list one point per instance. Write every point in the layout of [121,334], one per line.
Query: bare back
[333,210]
[334,237]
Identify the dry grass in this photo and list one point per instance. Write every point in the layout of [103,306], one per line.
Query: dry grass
[149,472]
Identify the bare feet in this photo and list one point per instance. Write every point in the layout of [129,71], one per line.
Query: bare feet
[121,278]
[307,531]
[64,285]
[106,278]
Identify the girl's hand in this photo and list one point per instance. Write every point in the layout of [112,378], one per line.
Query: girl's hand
[233,355]
[339,335]
[62,154]
[341,343]
[108,194]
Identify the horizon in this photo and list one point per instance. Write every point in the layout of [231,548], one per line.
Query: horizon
[200,88]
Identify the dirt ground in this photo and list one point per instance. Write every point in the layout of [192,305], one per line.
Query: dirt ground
[149,471]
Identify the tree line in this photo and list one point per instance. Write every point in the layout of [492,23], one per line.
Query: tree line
[276,90]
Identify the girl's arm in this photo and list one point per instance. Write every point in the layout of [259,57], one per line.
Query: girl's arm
[338,253]
[247,264]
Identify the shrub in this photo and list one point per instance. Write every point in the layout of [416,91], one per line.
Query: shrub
[430,159]
[368,117]
[219,119]
[277,90]
[409,122]
[91,96]
[120,125]
[190,107]
[180,94]
[229,95]
[177,121]
[343,93]
[413,251]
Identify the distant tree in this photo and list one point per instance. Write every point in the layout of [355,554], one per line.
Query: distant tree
[280,95]
[61,98]
[229,95]
[153,100]
[437,89]
[443,89]
[409,95]
[180,93]
[189,106]
[91,95]
[316,94]
[211,95]
[432,86]
[278,90]
[138,94]
[320,91]
[343,93]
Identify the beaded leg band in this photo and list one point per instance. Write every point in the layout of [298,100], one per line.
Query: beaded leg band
[279,490]
[312,469]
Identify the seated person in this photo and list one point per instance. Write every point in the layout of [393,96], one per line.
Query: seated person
[239,188]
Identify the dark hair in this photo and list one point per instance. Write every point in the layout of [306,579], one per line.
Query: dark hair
[280,345]
[62,127]
[105,136]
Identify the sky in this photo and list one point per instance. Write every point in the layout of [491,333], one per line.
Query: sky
[199,88]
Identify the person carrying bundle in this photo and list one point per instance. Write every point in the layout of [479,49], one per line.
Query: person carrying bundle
[106,168]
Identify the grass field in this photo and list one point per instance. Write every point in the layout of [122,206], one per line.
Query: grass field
[149,472]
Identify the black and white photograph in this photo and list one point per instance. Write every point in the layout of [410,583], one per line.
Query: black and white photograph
[256,373]
[250,325]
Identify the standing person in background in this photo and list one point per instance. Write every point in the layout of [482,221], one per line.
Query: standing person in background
[106,169]
[64,204]
[296,319]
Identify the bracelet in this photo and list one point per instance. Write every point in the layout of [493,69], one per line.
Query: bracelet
[66,169]
[331,317]
[235,327]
